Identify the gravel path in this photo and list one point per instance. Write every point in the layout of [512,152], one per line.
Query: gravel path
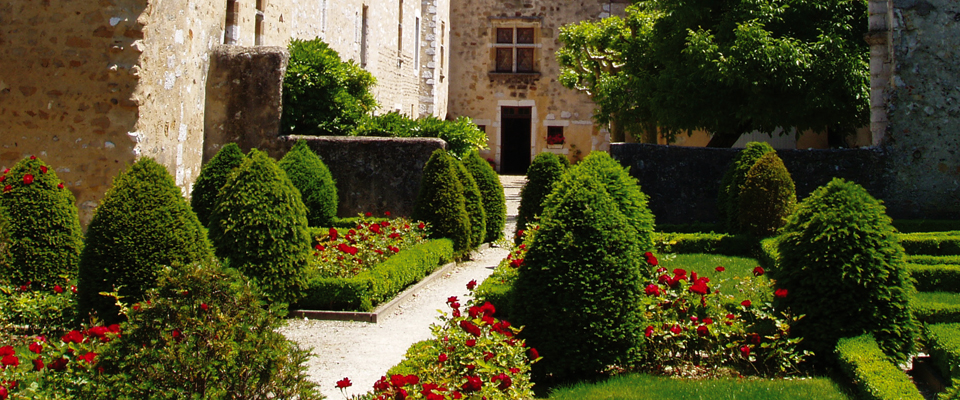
[364,351]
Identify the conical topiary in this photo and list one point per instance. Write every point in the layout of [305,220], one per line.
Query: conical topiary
[545,169]
[768,196]
[578,291]
[142,224]
[259,227]
[312,177]
[494,202]
[473,203]
[43,236]
[625,192]
[842,267]
[441,201]
[212,177]
[728,198]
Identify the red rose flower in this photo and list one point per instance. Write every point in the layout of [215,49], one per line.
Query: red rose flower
[36,347]
[58,364]
[470,342]
[473,384]
[421,225]
[504,379]
[73,288]
[33,157]
[27,179]
[73,336]
[651,259]
[60,185]
[470,328]
[721,268]
[204,306]
[88,357]
[412,379]
[534,354]
[7,188]
[472,284]
[442,358]
[10,360]
[649,331]
[38,364]
[780,293]
[675,329]
[58,289]
[487,356]
[757,271]
[707,321]
[3,178]
[754,338]
[333,234]
[375,228]
[381,385]
[745,351]
[344,383]
[652,290]
[700,287]
[43,169]
[746,303]
[386,213]
[702,330]
[398,380]
[367,214]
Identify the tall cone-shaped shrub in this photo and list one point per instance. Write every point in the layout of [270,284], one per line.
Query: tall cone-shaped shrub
[142,224]
[728,199]
[212,177]
[494,202]
[768,196]
[312,177]
[259,227]
[843,268]
[625,192]
[473,203]
[543,172]
[578,290]
[441,202]
[42,228]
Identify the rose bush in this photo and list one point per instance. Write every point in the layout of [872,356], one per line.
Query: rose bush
[38,309]
[346,253]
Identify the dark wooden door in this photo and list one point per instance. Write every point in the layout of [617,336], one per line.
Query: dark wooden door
[514,140]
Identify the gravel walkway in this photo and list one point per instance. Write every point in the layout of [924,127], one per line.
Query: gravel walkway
[364,351]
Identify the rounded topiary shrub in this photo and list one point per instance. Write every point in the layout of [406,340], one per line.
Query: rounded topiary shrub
[212,177]
[311,176]
[767,197]
[543,172]
[42,229]
[494,202]
[473,203]
[728,199]
[142,224]
[842,266]
[578,289]
[441,202]
[625,192]
[259,227]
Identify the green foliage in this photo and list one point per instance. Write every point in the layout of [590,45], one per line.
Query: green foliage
[931,243]
[936,307]
[544,171]
[933,260]
[204,333]
[942,341]
[323,95]
[312,178]
[491,190]
[42,239]
[473,203]
[259,227]
[843,266]
[625,192]
[212,177]
[498,287]
[578,290]
[441,202]
[713,243]
[728,198]
[935,278]
[633,386]
[142,224]
[926,225]
[767,197]
[36,309]
[379,284]
[462,135]
[876,376]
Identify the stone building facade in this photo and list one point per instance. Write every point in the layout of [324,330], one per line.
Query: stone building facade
[89,86]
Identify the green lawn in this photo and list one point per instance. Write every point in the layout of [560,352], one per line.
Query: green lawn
[736,269]
[643,387]
[938,297]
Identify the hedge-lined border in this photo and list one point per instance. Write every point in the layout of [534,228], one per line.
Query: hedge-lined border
[930,312]
[379,284]
[713,243]
[933,260]
[931,243]
[874,374]
[935,278]
[943,344]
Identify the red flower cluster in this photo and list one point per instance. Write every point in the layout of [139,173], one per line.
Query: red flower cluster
[344,383]
[780,293]
[651,259]
[758,270]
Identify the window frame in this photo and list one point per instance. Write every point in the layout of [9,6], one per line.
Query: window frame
[513,48]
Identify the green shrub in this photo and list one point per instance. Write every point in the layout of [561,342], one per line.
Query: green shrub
[625,192]
[312,178]
[473,203]
[543,172]
[578,290]
[259,227]
[142,224]
[713,243]
[494,202]
[212,177]
[935,278]
[323,95]
[926,225]
[875,375]
[767,197]
[842,264]
[728,198]
[42,228]
[942,341]
[931,243]
[441,202]
[204,332]
[933,260]
[32,310]
[462,135]
[769,254]
[936,307]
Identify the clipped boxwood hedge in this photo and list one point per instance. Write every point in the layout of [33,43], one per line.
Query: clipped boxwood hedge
[931,243]
[874,374]
[936,307]
[374,286]
[769,254]
[943,343]
[926,225]
[935,278]
[713,243]
[933,260]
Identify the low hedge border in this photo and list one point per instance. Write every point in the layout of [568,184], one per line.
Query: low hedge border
[874,374]
[713,243]
[769,255]
[943,344]
[934,312]
[371,287]
[931,243]
[935,278]
[498,289]
[926,225]
[933,260]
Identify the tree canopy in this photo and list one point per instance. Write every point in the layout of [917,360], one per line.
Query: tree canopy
[725,66]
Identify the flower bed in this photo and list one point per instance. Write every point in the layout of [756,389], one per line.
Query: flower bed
[346,252]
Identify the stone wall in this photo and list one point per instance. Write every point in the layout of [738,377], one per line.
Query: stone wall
[683,182]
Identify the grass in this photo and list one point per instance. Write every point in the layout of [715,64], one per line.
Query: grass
[706,264]
[938,297]
[643,387]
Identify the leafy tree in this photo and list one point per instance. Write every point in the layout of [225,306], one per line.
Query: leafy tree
[462,135]
[728,198]
[545,170]
[441,202]
[473,203]
[312,177]
[768,196]
[212,177]
[494,202]
[726,66]
[323,95]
